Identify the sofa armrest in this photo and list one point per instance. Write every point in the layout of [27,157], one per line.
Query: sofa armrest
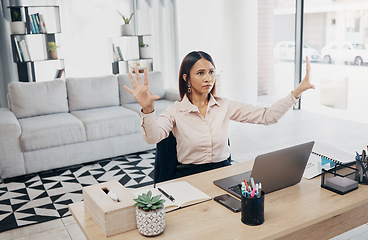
[11,155]
[172,95]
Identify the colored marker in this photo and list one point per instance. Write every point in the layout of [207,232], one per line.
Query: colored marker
[253,192]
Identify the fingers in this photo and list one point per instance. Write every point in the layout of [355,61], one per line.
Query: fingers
[139,81]
[308,65]
[132,80]
[145,77]
[155,97]
[128,89]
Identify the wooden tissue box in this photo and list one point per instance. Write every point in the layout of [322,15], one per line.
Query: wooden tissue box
[113,217]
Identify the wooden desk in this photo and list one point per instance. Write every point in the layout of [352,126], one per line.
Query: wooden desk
[303,211]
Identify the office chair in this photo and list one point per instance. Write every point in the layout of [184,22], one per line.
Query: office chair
[166,159]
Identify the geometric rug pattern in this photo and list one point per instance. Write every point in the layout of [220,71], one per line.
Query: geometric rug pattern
[45,196]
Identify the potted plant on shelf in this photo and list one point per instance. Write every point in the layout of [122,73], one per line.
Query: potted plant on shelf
[52,50]
[126,29]
[17,26]
[150,214]
[144,50]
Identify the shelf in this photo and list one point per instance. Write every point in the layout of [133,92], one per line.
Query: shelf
[38,3]
[131,60]
[30,34]
[43,25]
[46,60]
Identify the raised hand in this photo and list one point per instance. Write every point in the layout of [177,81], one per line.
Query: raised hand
[141,92]
[306,83]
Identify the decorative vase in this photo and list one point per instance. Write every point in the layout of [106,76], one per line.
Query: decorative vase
[127,30]
[18,27]
[145,52]
[151,223]
[53,54]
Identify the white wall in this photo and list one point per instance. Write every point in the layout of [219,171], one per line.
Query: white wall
[227,30]
[87,27]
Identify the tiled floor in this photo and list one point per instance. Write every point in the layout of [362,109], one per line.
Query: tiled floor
[247,141]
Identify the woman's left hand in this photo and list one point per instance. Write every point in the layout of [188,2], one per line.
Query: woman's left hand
[305,84]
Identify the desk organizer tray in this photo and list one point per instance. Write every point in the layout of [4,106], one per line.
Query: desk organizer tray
[340,179]
[362,167]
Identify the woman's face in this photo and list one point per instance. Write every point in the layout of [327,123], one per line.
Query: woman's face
[202,77]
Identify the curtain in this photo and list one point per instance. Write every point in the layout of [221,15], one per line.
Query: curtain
[8,70]
[159,19]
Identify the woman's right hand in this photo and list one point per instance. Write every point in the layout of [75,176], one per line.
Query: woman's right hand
[141,92]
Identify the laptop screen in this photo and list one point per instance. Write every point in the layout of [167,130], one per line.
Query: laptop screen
[275,170]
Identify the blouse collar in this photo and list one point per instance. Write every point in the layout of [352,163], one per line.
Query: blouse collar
[186,105]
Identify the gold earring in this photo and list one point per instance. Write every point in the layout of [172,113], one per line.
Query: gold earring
[189,87]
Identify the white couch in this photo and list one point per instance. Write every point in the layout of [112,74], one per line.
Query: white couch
[61,123]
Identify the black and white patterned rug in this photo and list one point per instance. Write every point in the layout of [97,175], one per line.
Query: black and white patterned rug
[45,196]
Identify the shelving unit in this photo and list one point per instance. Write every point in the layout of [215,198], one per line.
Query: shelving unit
[36,65]
[130,51]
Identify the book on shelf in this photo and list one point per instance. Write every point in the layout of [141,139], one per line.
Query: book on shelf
[59,73]
[20,59]
[115,53]
[184,194]
[43,24]
[120,53]
[35,24]
[24,51]
[326,156]
[26,54]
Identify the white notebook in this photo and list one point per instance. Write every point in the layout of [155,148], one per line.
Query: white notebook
[325,156]
[184,194]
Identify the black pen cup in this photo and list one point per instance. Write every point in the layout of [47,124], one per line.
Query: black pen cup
[252,210]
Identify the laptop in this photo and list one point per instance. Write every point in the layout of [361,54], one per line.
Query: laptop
[275,170]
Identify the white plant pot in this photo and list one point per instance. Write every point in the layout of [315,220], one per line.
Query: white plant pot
[151,223]
[127,30]
[145,52]
[18,27]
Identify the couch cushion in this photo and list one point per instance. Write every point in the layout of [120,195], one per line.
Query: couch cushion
[160,106]
[51,131]
[92,92]
[37,98]
[155,81]
[108,122]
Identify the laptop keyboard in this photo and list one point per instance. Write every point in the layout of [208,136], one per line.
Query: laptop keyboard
[236,188]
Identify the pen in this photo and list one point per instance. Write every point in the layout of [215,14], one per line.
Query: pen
[166,195]
[246,185]
[252,182]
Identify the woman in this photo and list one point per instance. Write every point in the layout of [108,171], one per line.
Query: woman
[200,120]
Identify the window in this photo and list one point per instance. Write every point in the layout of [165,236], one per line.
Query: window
[338,30]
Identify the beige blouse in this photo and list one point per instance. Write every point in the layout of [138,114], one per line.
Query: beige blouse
[204,139]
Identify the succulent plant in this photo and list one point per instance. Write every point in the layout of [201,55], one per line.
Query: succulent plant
[143,44]
[148,203]
[16,15]
[51,46]
[126,19]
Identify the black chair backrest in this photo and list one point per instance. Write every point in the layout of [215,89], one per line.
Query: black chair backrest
[166,159]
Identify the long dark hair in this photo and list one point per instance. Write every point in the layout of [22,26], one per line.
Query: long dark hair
[186,65]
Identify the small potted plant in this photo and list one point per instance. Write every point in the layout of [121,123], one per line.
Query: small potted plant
[150,214]
[127,29]
[52,50]
[144,50]
[17,26]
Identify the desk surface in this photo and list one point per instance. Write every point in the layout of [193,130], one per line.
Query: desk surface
[302,211]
